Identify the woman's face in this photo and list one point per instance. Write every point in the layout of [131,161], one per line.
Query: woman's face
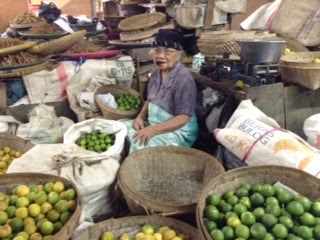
[165,58]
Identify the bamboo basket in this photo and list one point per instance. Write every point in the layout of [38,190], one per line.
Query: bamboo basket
[15,142]
[214,43]
[142,21]
[58,45]
[133,225]
[299,181]
[166,180]
[115,90]
[11,180]
[298,68]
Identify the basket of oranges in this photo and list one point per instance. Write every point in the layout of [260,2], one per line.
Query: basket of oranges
[128,102]
[11,147]
[260,202]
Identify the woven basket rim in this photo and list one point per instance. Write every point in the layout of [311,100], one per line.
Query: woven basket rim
[141,21]
[231,178]
[109,110]
[148,202]
[137,221]
[17,48]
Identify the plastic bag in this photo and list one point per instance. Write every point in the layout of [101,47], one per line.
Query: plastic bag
[49,11]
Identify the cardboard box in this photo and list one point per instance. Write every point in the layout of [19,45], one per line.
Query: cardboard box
[9,10]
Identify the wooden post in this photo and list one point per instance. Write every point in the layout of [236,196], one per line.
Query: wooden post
[209,15]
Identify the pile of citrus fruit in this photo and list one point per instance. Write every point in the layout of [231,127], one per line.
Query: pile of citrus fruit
[96,141]
[7,155]
[127,102]
[36,212]
[261,211]
[147,232]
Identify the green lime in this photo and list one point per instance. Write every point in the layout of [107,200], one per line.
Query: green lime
[286,221]
[246,201]
[267,190]
[233,200]
[306,203]
[256,188]
[246,186]
[213,199]
[242,231]
[280,231]
[228,232]
[233,221]
[226,208]
[284,212]
[273,209]
[284,196]
[258,231]
[241,192]
[259,213]
[272,200]
[228,194]
[305,232]
[217,234]
[315,209]
[239,208]
[295,208]
[269,236]
[316,231]
[257,199]
[248,218]
[307,219]
[211,212]
[210,225]
[317,220]
[230,214]
[269,220]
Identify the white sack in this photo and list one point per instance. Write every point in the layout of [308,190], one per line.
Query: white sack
[258,140]
[94,176]
[262,17]
[44,126]
[8,124]
[108,126]
[86,100]
[311,128]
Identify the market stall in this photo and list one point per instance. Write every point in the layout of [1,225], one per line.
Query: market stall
[72,86]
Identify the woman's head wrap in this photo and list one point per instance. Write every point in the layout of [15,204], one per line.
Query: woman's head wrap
[170,38]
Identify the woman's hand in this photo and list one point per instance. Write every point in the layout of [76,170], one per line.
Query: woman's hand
[143,136]
[138,123]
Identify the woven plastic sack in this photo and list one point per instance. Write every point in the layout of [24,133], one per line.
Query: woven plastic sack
[298,20]
[311,128]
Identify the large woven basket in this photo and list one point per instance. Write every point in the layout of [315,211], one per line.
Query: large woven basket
[214,43]
[298,68]
[300,181]
[9,181]
[58,45]
[142,21]
[15,142]
[112,113]
[133,225]
[166,180]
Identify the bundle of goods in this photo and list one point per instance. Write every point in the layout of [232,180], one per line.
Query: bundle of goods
[85,47]
[261,202]
[11,147]
[13,45]
[38,206]
[139,227]
[44,27]
[301,68]
[20,58]
[24,20]
[166,180]
[128,101]
[143,26]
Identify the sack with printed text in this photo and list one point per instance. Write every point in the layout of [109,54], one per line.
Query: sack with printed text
[258,140]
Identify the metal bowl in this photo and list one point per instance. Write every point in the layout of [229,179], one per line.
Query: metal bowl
[261,50]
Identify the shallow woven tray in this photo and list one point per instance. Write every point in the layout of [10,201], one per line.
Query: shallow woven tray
[15,142]
[115,90]
[298,68]
[11,180]
[58,45]
[133,225]
[166,180]
[301,182]
[17,48]
[141,21]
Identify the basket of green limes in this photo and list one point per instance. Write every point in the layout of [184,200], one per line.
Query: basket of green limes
[260,202]
[128,101]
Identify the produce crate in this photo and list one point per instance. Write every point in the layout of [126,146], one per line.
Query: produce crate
[166,180]
[133,225]
[10,181]
[299,181]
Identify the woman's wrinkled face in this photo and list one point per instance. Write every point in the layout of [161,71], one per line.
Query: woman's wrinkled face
[165,58]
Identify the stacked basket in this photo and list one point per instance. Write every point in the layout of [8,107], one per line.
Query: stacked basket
[299,181]
[166,180]
[116,90]
[15,142]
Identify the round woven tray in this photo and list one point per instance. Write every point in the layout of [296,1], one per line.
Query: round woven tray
[11,180]
[299,181]
[58,45]
[141,21]
[133,225]
[166,180]
[15,142]
[17,48]
[298,68]
[115,90]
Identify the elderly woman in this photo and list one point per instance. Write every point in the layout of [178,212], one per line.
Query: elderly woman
[168,116]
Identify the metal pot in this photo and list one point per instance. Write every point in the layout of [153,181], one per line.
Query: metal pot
[261,50]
